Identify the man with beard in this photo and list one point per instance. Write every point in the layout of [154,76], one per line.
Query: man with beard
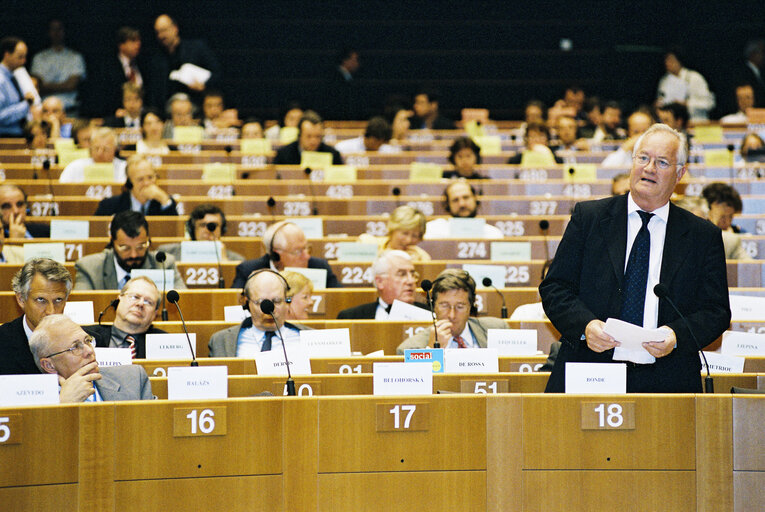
[460,200]
[128,250]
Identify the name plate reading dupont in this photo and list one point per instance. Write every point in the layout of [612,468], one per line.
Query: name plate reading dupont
[326,342]
[435,356]
[170,346]
[471,360]
[403,378]
[596,378]
[272,362]
[483,387]
[28,390]
[737,343]
[412,417]
[722,363]
[111,356]
[608,415]
[10,429]
[197,382]
[513,342]
[197,421]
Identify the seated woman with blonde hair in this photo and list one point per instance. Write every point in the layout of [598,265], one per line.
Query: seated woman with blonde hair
[406,226]
[299,295]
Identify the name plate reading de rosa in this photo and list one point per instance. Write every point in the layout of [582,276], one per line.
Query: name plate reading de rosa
[483,387]
[199,421]
[10,429]
[608,415]
[406,417]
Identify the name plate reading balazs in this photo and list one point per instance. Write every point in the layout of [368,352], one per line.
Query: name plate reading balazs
[596,378]
[511,251]
[197,382]
[171,346]
[326,342]
[272,362]
[112,356]
[166,282]
[317,276]
[402,378]
[199,421]
[496,273]
[403,417]
[200,251]
[313,227]
[471,360]
[435,356]
[513,342]
[608,415]
[737,343]
[80,311]
[722,363]
[53,250]
[69,229]
[28,390]
[466,227]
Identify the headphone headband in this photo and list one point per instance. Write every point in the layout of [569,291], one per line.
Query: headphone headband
[246,305]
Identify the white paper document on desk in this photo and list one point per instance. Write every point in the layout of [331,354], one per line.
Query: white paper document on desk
[190,73]
[632,338]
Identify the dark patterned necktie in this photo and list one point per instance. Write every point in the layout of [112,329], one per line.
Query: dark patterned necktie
[636,275]
[130,340]
[267,342]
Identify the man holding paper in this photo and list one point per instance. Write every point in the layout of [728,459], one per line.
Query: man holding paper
[612,255]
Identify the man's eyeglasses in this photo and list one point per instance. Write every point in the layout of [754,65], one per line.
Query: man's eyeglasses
[140,247]
[296,252]
[277,302]
[132,297]
[77,348]
[444,307]
[403,274]
[661,163]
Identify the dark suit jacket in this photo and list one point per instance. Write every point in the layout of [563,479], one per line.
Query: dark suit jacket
[516,158]
[223,343]
[103,336]
[120,203]
[103,89]
[15,356]
[290,154]
[245,268]
[366,311]
[758,85]
[585,280]
[37,230]
[97,271]
[439,123]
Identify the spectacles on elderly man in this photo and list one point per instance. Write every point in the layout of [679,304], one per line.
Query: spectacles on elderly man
[77,347]
[643,160]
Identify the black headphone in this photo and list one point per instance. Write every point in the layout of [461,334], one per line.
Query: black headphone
[470,289]
[128,184]
[273,255]
[246,305]
[472,190]
[191,228]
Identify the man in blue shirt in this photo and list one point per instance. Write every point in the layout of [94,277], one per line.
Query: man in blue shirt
[14,105]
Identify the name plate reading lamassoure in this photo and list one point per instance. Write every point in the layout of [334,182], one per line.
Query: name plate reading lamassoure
[112,356]
[69,229]
[402,378]
[197,382]
[483,387]
[28,390]
[471,360]
[199,421]
[738,343]
[326,342]
[10,429]
[608,415]
[302,388]
[156,275]
[53,250]
[435,356]
[510,251]
[272,362]
[200,251]
[513,342]
[722,363]
[596,378]
[403,417]
[170,346]
[466,227]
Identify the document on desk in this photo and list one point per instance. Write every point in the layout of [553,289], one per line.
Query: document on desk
[190,73]
[632,338]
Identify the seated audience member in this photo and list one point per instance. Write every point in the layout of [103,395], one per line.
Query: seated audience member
[103,150]
[566,129]
[460,200]
[745,101]
[181,112]
[217,120]
[82,130]
[286,246]
[131,112]
[62,347]
[252,128]
[53,112]
[290,118]
[258,333]
[142,194]
[311,133]
[395,279]
[139,302]
[298,295]
[569,105]
[610,127]
[464,155]
[731,241]
[533,113]
[398,117]
[592,118]
[406,226]
[42,287]
[151,142]
[37,134]
[207,222]
[724,203]
[426,115]
[13,207]
[751,71]
[453,296]
[751,144]
[620,184]
[376,136]
[637,123]
[536,138]
[674,115]
[128,250]
[684,86]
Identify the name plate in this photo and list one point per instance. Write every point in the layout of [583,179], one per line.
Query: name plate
[410,417]
[737,343]
[188,134]
[496,273]
[425,172]
[67,155]
[402,378]
[317,276]
[583,173]
[234,313]
[172,346]
[112,356]
[197,421]
[11,431]
[340,174]
[98,173]
[596,378]
[435,356]
[511,251]
[326,342]
[533,159]
[315,160]
[471,360]
[721,363]
[465,227]
[513,342]
[608,415]
[272,362]
[197,382]
[80,312]
[255,147]
[403,311]
[28,390]
[313,227]
[167,279]
[69,229]
[356,251]
[200,251]
[219,172]
[744,307]
[491,145]
[54,251]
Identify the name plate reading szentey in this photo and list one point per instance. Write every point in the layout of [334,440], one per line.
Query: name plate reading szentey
[608,415]
[199,421]
[403,417]
[10,429]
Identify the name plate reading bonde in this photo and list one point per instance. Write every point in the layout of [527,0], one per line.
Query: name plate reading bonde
[411,417]
[608,415]
[199,421]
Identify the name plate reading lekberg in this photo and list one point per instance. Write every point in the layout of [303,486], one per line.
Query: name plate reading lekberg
[403,417]
[10,429]
[199,421]
[608,415]
[170,346]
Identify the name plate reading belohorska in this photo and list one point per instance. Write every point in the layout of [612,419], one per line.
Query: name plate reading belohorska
[198,421]
[403,417]
[403,378]
[197,382]
[471,360]
[272,361]
[608,415]
[28,390]
[596,378]
[170,346]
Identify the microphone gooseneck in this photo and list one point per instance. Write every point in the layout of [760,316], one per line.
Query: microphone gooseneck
[267,307]
[314,209]
[487,282]
[211,227]
[173,297]
[161,257]
[112,304]
[426,286]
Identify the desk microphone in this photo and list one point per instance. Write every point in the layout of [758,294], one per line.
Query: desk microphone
[112,304]
[397,193]
[314,209]
[731,148]
[487,283]
[53,205]
[426,285]
[662,292]
[211,227]
[267,307]
[270,203]
[173,297]
[161,257]
[544,227]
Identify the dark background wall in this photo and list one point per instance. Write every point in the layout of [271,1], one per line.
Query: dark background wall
[477,54]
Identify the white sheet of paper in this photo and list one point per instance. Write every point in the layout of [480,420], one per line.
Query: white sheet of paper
[402,378]
[402,311]
[69,229]
[112,356]
[471,360]
[326,342]
[156,276]
[722,363]
[596,378]
[738,343]
[313,227]
[466,227]
[190,73]
[25,83]
[53,250]
[496,273]
[170,346]
[272,361]
[28,390]
[631,338]
[745,307]
[317,276]
[80,312]
[356,251]
[197,382]
[200,251]
[234,313]
[513,342]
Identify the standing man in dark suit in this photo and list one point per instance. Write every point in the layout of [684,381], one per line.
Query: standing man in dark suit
[286,246]
[42,287]
[142,194]
[105,87]
[395,279]
[614,252]
[310,138]
[752,72]
[13,207]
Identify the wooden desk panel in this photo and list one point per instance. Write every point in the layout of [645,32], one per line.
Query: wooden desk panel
[748,433]
[40,498]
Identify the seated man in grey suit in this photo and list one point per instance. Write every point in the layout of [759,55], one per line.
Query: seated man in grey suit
[60,346]
[453,298]
[207,222]
[259,332]
[394,278]
[128,250]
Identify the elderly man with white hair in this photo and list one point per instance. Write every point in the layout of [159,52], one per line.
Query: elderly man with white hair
[103,150]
